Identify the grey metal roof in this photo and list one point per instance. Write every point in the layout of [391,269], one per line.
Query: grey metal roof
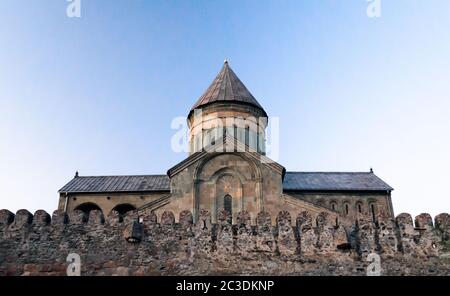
[227,87]
[334,181]
[117,184]
[313,181]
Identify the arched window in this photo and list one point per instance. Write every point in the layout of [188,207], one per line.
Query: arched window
[213,136]
[247,135]
[373,212]
[333,206]
[359,207]
[88,207]
[228,203]
[235,135]
[346,208]
[124,208]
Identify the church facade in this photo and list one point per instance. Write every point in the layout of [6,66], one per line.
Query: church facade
[227,170]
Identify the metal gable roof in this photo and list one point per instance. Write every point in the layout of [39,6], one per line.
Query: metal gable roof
[95,184]
[334,181]
[293,181]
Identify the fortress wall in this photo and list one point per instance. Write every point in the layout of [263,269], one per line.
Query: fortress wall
[39,244]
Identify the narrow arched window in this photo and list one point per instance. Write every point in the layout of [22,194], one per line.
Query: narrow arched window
[228,203]
[213,136]
[359,208]
[235,135]
[247,136]
[333,206]
[372,210]
[346,209]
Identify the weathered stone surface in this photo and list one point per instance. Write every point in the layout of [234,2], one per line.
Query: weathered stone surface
[424,221]
[407,233]
[325,234]
[96,217]
[308,238]
[224,241]
[265,240]
[22,219]
[35,246]
[6,217]
[244,241]
[388,237]
[367,236]
[186,219]
[167,219]
[201,243]
[41,218]
[426,239]
[59,218]
[287,245]
[113,218]
[133,232]
[130,216]
[442,222]
[78,217]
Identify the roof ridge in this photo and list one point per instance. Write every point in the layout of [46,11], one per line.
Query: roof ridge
[102,176]
[328,172]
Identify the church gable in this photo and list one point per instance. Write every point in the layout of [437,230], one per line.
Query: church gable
[228,145]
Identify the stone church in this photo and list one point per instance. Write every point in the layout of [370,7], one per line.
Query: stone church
[227,169]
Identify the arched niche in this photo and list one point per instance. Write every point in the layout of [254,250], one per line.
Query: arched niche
[88,207]
[217,170]
[122,209]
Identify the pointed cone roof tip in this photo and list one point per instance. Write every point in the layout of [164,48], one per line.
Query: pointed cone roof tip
[227,87]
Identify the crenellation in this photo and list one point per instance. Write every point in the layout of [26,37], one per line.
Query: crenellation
[20,228]
[367,235]
[224,233]
[388,236]
[6,217]
[325,234]
[265,240]
[135,242]
[244,236]
[113,218]
[286,241]
[78,217]
[424,221]
[167,219]
[41,218]
[307,234]
[442,224]
[406,233]
[96,218]
[59,217]
[186,220]
[202,243]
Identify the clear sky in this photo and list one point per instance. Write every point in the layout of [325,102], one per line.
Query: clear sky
[98,93]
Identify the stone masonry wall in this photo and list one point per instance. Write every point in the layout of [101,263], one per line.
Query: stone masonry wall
[39,244]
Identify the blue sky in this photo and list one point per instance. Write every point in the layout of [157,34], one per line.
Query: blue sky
[97,94]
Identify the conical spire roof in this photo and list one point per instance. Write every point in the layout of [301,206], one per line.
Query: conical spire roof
[227,87]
